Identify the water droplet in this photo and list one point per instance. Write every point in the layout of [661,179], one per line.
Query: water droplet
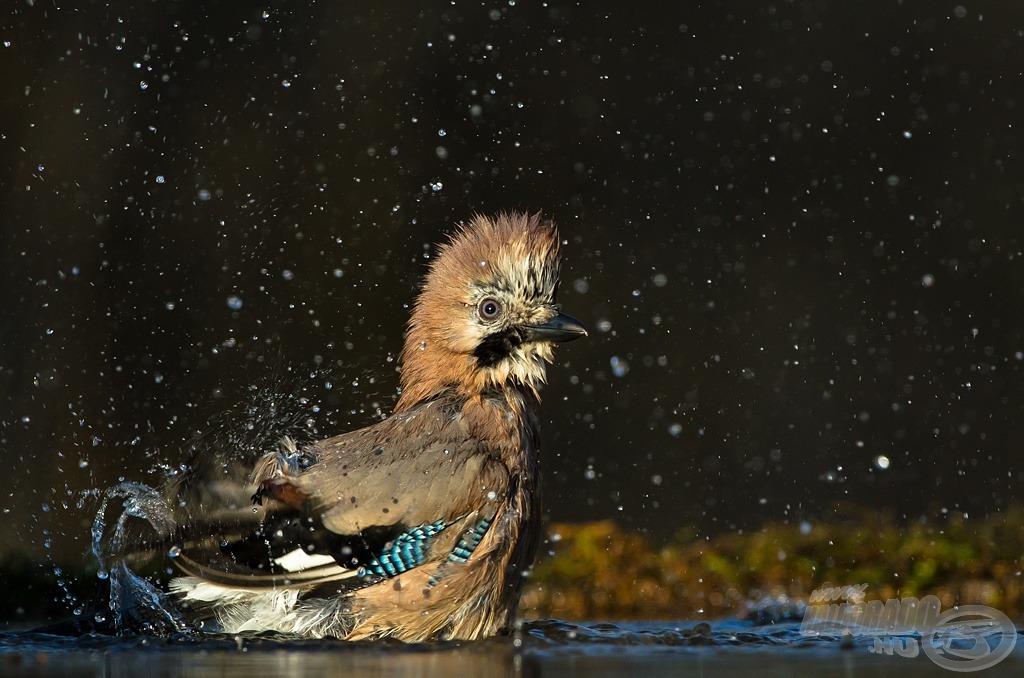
[881,462]
[620,366]
[234,302]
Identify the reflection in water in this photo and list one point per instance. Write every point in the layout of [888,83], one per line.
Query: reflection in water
[547,647]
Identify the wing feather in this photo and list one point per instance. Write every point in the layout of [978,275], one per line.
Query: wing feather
[352,498]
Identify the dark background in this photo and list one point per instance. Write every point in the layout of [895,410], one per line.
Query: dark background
[793,229]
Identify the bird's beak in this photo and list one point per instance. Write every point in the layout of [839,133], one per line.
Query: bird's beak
[560,328]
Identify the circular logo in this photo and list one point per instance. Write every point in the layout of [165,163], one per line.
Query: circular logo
[960,639]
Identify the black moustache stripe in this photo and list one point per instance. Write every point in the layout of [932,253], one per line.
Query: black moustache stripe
[496,347]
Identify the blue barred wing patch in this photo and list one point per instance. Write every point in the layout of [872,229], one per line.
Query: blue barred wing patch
[406,551]
[470,540]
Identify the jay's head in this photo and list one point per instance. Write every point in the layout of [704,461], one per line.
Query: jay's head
[486,318]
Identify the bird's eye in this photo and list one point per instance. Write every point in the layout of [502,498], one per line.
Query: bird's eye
[489,309]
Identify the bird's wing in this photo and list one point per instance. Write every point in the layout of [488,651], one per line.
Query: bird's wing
[376,502]
[412,469]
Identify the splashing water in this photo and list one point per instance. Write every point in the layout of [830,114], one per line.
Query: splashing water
[137,605]
[140,501]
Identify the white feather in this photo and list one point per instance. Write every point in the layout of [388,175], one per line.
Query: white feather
[300,560]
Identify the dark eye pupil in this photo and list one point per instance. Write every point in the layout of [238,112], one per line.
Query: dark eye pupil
[489,308]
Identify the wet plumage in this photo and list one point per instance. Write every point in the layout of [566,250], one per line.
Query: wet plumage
[424,525]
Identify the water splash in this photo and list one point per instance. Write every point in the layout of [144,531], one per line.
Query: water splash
[140,501]
[146,519]
[207,486]
[139,607]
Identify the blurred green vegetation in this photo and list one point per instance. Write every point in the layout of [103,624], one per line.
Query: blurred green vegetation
[600,571]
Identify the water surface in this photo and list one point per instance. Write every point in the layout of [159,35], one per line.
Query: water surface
[547,647]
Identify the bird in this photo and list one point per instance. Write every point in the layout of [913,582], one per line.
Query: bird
[424,525]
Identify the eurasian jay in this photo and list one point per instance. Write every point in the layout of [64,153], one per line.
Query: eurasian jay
[424,525]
